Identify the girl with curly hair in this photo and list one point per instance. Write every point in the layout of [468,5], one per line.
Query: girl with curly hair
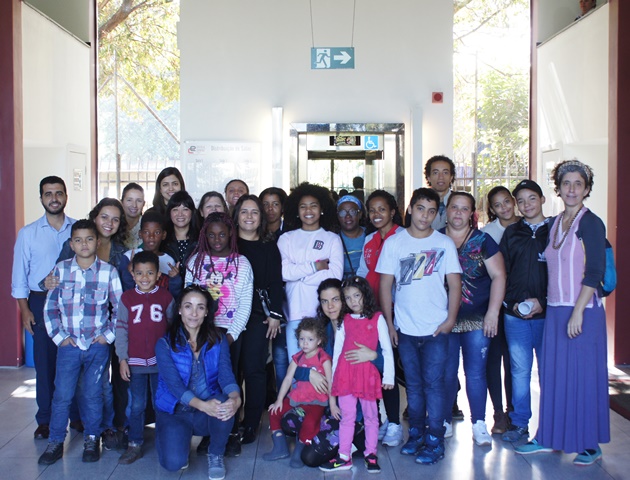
[310,252]
[311,334]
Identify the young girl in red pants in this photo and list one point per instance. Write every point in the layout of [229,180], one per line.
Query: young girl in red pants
[311,334]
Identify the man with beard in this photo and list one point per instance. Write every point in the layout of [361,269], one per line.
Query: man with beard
[36,250]
[439,172]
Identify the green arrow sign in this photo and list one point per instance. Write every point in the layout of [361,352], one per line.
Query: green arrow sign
[329,58]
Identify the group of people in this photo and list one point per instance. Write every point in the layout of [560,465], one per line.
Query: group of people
[185,303]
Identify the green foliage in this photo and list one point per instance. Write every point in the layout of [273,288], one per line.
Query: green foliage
[491,83]
[469,16]
[140,36]
[503,122]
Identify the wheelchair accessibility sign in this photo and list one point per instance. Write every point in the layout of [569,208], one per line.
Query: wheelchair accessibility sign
[331,58]
[371,142]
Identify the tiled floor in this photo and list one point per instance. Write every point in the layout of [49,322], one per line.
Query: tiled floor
[464,460]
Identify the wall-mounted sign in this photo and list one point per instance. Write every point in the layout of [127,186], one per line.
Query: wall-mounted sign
[331,58]
[208,165]
[371,142]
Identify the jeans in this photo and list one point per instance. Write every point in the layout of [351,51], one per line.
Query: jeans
[280,356]
[45,358]
[292,343]
[523,338]
[88,366]
[474,346]
[174,432]
[423,360]
[138,403]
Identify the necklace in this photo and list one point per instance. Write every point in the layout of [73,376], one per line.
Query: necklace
[461,245]
[555,243]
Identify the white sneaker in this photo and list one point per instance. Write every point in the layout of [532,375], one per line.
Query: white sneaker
[449,429]
[382,430]
[480,434]
[394,435]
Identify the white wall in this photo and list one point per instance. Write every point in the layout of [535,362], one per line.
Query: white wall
[573,104]
[241,58]
[56,83]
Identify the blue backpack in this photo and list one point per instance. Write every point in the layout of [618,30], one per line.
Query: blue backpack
[610,274]
[609,282]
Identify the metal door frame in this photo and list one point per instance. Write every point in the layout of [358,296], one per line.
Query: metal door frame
[394,143]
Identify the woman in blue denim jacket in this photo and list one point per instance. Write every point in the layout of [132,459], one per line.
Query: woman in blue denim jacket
[197,393]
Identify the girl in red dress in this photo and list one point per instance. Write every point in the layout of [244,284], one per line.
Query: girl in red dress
[359,381]
[311,335]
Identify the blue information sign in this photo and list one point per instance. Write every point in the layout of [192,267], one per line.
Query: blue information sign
[330,58]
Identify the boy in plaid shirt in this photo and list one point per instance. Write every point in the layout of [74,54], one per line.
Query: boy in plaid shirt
[77,318]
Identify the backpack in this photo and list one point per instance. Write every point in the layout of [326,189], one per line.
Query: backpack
[609,282]
[610,274]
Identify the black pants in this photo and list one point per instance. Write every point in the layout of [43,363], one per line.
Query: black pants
[391,398]
[498,351]
[235,355]
[120,389]
[253,363]
[45,358]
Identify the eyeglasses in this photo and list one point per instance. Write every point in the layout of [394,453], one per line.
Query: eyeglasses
[344,213]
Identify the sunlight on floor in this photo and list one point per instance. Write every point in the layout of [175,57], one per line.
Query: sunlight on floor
[26,390]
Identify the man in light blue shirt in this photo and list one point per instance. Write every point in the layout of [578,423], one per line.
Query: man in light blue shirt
[350,212]
[36,250]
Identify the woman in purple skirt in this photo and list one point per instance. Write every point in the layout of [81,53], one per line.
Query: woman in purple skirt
[574,408]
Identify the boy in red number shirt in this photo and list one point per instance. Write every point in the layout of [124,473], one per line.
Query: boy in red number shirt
[143,317]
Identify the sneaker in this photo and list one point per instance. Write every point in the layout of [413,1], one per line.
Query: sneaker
[233,447]
[432,451]
[480,434]
[394,435]
[371,464]
[382,430]
[110,439]
[336,464]
[91,449]
[54,451]
[414,442]
[514,434]
[133,453]
[501,423]
[588,457]
[202,448]
[216,467]
[531,448]
[448,433]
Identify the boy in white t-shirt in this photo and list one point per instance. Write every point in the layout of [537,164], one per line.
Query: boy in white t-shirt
[418,260]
